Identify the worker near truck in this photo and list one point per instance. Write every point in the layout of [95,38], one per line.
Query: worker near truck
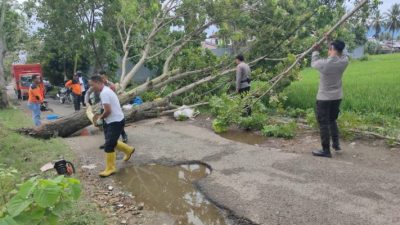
[35,99]
[42,87]
[84,87]
[75,86]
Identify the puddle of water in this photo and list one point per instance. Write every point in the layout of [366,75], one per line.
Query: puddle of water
[170,190]
[244,137]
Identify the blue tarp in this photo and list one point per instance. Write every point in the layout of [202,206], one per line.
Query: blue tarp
[137,101]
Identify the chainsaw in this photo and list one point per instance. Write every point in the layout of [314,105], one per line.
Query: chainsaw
[45,107]
[62,167]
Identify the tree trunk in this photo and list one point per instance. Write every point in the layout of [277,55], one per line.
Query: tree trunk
[4,103]
[76,62]
[128,77]
[3,48]
[69,125]
[123,66]
[65,69]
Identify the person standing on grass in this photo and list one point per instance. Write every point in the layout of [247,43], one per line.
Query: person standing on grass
[330,94]
[112,119]
[75,86]
[243,78]
[35,99]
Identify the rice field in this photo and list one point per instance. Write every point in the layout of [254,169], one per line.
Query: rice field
[371,86]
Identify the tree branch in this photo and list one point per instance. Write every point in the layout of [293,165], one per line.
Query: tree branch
[305,53]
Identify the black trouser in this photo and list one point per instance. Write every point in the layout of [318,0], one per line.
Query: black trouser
[83,98]
[77,101]
[112,131]
[123,133]
[244,91]
[327,114]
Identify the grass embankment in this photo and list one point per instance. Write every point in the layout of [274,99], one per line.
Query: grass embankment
[27,155]
[371,94]
[371,86]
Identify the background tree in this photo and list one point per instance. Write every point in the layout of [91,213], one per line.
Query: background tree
[72,36]
[170,39]
[377,21]
[11,39]
[393,20]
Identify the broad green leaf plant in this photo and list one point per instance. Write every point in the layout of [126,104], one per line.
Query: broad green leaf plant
[40,201]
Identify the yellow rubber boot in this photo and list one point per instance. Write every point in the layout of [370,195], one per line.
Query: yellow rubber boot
[110,165]
[126,149]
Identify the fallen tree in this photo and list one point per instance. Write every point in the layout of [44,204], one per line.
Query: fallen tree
[68,125]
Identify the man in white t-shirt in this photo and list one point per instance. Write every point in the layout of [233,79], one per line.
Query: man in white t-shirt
[113,122]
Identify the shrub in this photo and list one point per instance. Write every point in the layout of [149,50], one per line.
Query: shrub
[372,47]
[40,201]
[296,113]
[256,121]
[8,182]
[311,119]
[281,130]
[364,58]
[227,109]
[149,96]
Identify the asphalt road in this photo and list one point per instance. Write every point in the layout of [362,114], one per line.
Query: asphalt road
[265,185]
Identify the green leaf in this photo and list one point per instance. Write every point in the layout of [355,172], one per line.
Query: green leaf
[8,220]
[52,219]
[16,205]
[47,196]
[31,217]
[61,207]
[58,179]
[76,191]
[26,189]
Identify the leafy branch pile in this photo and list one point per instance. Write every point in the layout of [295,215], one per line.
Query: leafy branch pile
[168,38]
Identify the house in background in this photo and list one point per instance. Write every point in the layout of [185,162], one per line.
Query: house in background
[214,43]
[358,52]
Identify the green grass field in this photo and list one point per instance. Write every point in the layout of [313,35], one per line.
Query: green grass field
[371,86]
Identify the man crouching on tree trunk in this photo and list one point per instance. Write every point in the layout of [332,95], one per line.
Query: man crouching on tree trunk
[114,121]
[330,94]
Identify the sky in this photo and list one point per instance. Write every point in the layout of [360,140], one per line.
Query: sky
[387,4]
[383,8]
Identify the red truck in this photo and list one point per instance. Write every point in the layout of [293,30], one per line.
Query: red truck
[22,78]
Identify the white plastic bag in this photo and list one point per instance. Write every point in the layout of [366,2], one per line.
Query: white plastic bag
[183,113]
[127,107]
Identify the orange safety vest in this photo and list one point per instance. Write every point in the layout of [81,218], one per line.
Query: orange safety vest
[76,88]
[35,94]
